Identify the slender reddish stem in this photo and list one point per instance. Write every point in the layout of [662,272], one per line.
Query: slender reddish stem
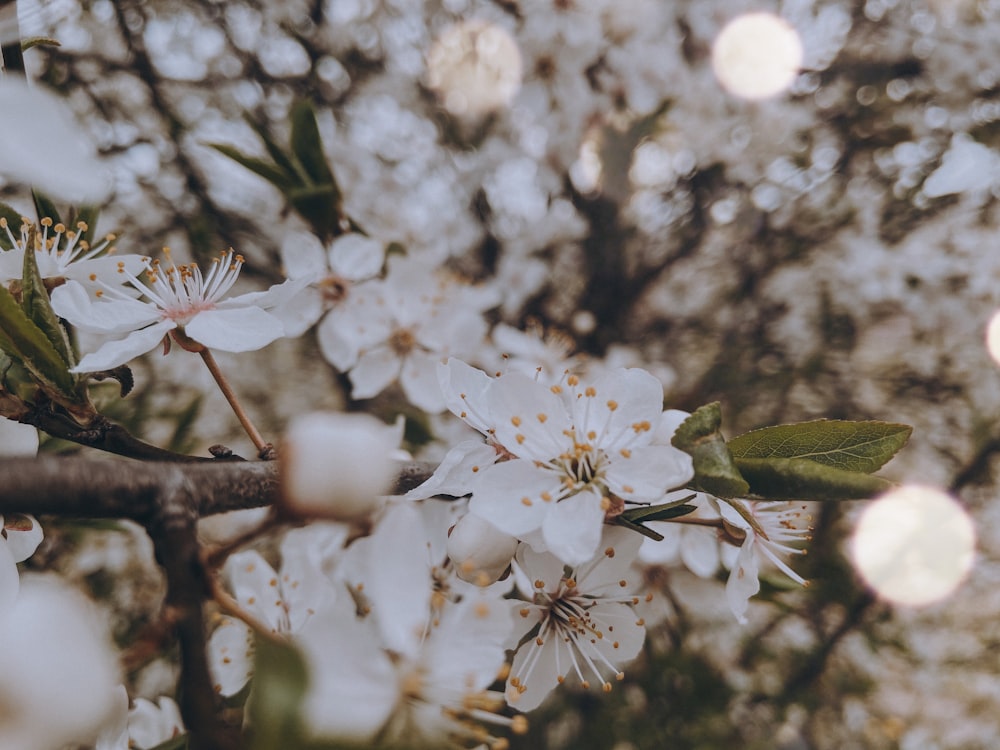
[260,444]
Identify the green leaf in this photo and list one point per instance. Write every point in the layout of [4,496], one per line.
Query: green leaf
[714,470]
[36,305]
[25,341]
[307,146]
[804,479]
[280,680]
[283,161]
[317,205]
[273,174]
[44,207]
[14,224]
[852,446]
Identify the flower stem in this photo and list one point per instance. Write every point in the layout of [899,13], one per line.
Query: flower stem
[263,447]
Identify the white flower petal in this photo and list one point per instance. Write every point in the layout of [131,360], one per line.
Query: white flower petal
[17,439]
[10,582]
[509,495]
[572,528]
[623,398]
[464,388]
[352,686]
[41,144]
[230,656]
[374,371]
[303,256]
[255,586]
[22,543]
[235,330]
[530,419]
[398,580]
[646,473]
[420,382]
[115,353]
[743,580]
[700,550]
[356,257]
[456,474]
[73,302]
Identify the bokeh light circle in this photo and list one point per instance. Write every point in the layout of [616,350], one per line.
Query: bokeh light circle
[757,55]
[914,545]
[474,67]
[993,337]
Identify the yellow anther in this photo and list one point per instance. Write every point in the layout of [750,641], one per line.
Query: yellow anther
[542,417]
[590,392]
[625,453]
[612,405]
[557,389]
[526,501]
[516,421]
[46,222]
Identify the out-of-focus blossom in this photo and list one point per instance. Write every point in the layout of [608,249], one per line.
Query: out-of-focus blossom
[401,328]
[60,673]
[144,726]
[43,146]
[338,466]
[330,271]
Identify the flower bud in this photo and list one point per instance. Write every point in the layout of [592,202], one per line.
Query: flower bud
[60,674]
[337,466]
[480,551]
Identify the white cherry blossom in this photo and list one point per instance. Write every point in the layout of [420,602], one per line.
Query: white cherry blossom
[401,328]
[331,271]
[569,455]
[61,254]
[180,300]
[578,624]
[782,526]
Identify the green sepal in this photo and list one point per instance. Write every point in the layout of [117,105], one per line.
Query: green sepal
[635,517]
[714,470]
[803,479]
[659,512]
[273,174]
[852,446]
[26,342]
[45,208]
[280,680]
[13,222]
[38,41]
[36,305]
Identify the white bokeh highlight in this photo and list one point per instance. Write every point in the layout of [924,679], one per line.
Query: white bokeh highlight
[914,545]
[993,337]
[475,68]
[757,55]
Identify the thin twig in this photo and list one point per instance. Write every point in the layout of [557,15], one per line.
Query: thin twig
[259,443]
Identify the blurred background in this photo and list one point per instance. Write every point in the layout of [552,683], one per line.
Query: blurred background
[818,239]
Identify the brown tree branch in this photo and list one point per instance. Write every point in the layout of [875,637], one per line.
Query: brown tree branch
[76,487]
